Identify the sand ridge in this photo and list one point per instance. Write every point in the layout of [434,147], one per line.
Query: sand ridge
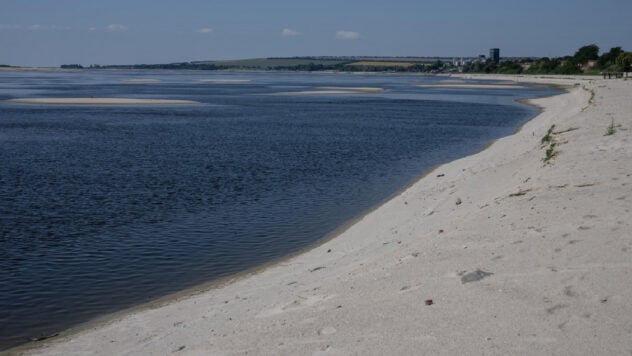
[495,253]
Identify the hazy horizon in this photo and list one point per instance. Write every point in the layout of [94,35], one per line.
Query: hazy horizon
[45,33]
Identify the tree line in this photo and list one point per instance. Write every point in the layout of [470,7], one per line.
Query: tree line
[586,60]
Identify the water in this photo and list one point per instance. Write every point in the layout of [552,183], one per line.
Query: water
[106,207]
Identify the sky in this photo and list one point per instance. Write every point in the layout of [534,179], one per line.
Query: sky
[55,32]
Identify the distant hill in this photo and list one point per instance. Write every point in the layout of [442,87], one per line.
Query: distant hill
[347,64]
[585,60]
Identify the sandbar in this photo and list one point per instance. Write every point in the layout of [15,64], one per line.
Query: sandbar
[225,81]
[356,89]
[335,91]
[499,253]
[101,101]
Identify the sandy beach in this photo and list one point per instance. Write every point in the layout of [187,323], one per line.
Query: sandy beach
[499,253]
[100,101]
[471,86]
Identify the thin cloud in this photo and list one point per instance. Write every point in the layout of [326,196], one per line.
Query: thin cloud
[116,28]
[347,35]
[205,30]
[288,32]
[37,28]
[9,27]
[48,28]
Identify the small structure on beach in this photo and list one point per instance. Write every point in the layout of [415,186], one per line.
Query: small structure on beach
[614,75]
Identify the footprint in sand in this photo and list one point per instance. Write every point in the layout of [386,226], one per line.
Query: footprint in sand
[327,330]
[300,303]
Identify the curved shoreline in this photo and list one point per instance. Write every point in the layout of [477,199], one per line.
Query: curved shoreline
[471,86]
[222,282]
[390,258]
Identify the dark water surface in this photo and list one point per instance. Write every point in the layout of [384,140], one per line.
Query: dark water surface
[106,207]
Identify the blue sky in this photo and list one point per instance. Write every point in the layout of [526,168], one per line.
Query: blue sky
[53,32]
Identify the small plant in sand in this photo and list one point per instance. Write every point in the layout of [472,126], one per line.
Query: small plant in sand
[611,129]
[547,138]
[550,152]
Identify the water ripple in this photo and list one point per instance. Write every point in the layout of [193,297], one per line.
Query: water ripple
[102,207]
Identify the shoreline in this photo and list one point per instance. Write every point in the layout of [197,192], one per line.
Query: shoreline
[275,295]
[252,271]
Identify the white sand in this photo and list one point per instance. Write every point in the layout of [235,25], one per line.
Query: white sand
[225,81]
[356,89]
[536,259]
[472,86]
[101,101]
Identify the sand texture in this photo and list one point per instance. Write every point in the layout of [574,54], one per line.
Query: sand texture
[471,86]
[498,253]
[101,101]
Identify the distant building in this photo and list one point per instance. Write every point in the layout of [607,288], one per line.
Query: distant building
[588,65]
[494,55]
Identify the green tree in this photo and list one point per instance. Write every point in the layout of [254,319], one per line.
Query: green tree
[509,67]
[567,67]
[624,61]
[609,58]
[586,53]
[544,65]
[437,65]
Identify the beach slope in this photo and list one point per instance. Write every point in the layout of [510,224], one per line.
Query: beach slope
[496,253]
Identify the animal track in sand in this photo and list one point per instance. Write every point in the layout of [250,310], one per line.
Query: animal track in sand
[555,308]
